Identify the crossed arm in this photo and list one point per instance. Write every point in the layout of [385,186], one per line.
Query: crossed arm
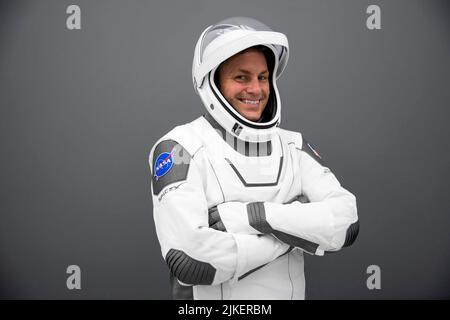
[195,253]
[323,218]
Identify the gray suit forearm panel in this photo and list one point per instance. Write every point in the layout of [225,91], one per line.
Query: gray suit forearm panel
[188,270]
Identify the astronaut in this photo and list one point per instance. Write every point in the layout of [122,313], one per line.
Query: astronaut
[236,199]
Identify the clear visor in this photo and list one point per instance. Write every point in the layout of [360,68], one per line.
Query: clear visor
[234,24]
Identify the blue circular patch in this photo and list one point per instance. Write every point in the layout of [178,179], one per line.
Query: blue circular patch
[163,164]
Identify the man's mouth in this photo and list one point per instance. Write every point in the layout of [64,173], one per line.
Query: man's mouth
[250,101]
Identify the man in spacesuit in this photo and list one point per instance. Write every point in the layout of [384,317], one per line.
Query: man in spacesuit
[236,199]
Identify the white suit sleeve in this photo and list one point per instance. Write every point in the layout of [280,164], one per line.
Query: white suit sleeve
[195,253]
[327,222]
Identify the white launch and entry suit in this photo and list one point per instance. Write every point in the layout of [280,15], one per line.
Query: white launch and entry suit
[234,216]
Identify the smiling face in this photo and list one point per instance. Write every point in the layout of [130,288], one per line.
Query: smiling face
[244,82]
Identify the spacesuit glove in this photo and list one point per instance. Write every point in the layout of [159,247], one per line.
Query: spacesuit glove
[231,217]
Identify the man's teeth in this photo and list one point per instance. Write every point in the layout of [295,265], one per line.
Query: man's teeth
[250,101]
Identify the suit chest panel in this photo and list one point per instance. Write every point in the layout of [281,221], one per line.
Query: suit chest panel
[273,178]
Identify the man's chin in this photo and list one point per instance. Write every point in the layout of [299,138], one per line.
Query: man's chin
[252,116]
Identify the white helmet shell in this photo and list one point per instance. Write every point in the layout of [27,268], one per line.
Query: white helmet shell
[219,42]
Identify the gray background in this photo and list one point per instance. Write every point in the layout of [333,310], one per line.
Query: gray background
[81,109]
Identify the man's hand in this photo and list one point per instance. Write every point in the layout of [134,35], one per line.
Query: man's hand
[235,217]
[231,217]
[214,220]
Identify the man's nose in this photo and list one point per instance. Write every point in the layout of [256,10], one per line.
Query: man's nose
[254,87]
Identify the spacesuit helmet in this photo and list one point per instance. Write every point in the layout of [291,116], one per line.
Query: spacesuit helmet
[221,41]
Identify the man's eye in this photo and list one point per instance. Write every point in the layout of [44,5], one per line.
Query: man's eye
[263,78]
[242,78]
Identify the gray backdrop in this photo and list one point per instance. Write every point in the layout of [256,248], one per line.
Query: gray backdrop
[81,109]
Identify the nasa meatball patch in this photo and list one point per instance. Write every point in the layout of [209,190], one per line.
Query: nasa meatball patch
[170,164]
[163,163]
